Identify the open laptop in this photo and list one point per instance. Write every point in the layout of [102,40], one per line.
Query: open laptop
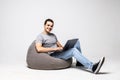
[69,44]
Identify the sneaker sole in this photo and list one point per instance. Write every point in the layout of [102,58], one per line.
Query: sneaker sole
[99,65]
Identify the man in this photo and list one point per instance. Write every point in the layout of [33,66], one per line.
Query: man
[46,42]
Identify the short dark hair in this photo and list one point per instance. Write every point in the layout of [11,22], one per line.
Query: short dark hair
[48,20]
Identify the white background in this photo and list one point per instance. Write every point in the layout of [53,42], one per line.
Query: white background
[95,22]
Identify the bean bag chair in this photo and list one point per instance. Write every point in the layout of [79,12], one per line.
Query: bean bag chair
[44,61]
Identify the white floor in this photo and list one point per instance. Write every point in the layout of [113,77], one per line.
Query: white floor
[109,71]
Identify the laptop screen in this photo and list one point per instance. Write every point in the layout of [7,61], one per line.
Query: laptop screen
[70,44]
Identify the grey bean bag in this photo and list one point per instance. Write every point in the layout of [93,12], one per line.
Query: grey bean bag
[44,61]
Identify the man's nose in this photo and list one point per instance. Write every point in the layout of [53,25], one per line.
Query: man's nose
[51,27]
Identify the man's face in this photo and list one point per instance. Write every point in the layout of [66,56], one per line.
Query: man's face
[48,27]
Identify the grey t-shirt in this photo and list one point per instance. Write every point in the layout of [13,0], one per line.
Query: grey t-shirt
[47,40]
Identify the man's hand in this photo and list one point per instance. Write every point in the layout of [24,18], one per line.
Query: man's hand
[59,49]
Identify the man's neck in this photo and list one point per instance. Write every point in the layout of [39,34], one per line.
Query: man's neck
[44,32]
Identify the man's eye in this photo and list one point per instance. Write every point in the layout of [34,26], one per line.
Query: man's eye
[50,25]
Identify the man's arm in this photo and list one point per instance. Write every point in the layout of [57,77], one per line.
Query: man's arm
[42,49]
[59,44]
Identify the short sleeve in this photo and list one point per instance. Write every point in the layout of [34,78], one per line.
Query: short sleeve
[55,37]
[39,39]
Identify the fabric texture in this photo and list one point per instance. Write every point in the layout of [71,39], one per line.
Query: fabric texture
[37,60]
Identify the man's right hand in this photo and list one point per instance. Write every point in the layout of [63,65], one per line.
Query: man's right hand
[59,49]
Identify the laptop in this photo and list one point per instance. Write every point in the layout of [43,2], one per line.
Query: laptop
[69,44]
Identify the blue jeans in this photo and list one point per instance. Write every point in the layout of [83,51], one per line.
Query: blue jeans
[76,53]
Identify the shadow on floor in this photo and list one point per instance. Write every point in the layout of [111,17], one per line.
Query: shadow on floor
[81,68]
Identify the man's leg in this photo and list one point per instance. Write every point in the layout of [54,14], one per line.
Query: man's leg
[77,46]
[73,52]
[80,58]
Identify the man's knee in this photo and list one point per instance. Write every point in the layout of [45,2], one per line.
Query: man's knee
[74,49]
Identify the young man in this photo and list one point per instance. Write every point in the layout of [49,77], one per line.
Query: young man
[46,42]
